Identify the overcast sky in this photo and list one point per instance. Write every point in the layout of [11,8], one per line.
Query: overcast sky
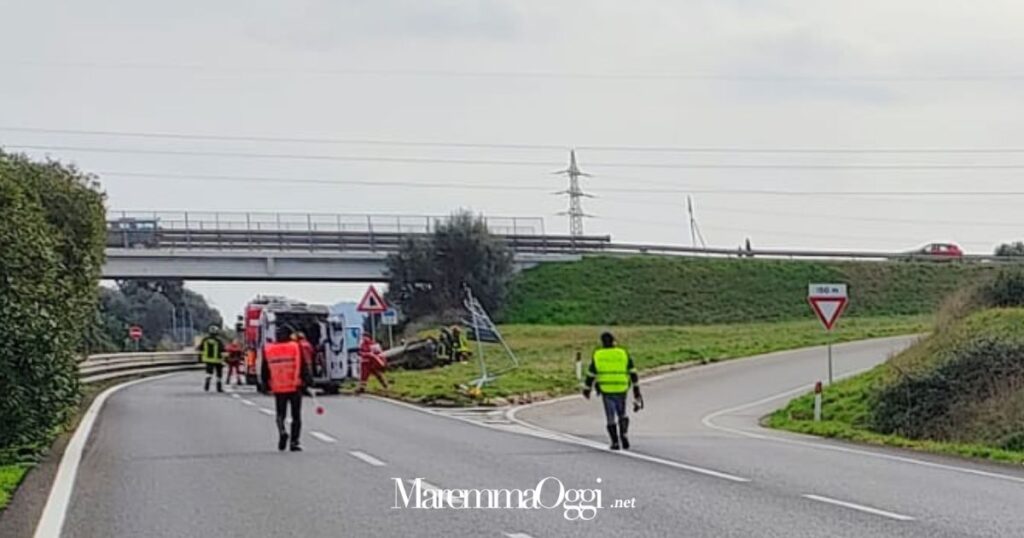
[723,74]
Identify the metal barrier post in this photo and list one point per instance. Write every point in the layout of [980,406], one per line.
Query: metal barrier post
[188,233]
[369,226]
[309,230]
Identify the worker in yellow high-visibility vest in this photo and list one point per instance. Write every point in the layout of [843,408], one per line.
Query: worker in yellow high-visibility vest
[613,370]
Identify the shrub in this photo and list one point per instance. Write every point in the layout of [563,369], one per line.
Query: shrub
[51,236]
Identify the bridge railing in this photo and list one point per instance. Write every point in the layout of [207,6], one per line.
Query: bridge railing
[316,232]
[318,222]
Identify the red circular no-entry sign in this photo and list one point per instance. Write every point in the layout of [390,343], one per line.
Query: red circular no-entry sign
[135,332]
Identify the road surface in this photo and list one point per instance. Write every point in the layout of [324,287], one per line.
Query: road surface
[166,459]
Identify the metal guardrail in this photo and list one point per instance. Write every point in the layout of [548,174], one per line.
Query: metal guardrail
[111,366]
[634,248]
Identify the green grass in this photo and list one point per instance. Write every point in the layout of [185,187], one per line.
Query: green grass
[976,425]
[10,477]
[548,352]
[642,290]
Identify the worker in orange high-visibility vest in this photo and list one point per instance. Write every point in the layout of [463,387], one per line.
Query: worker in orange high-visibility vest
[284,372]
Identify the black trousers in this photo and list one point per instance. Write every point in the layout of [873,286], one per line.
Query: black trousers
[212,367]
[281,402]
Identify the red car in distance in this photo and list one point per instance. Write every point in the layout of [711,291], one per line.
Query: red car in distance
[940,252]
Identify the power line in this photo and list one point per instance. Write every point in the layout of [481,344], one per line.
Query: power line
[494,162]
[484,145]
[309,181]
[505,186]
[803,214]
[503,74]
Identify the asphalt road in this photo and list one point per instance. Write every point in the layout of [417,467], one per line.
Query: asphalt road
[709,417]
[166,459]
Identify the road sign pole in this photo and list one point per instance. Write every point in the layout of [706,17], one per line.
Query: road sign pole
[391,337]
[830,358]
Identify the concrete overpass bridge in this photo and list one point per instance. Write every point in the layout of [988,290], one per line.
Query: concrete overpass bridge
[297,247]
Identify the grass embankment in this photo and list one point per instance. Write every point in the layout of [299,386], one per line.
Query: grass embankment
[643,290]
[10,477]
[956,392]
[547,353]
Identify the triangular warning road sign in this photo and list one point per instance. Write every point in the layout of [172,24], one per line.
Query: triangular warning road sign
[828,309]
[372,302]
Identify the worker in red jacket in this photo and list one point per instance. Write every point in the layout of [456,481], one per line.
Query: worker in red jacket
[371,361]
[283,370]
[234,352]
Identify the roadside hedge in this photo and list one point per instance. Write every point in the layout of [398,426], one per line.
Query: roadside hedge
[52,227]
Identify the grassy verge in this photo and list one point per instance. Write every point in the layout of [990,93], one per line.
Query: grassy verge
[936,386]
[10,477]
[844,410]
[547,353]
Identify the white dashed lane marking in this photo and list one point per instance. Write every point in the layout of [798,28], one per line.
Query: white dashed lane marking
[859,507]
[323,437]
[367,458]
[266,411]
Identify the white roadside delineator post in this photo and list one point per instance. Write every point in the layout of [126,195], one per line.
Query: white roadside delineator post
[817,401]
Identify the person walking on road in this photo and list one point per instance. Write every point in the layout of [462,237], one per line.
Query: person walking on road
[211,349]
[613,370]
[234,352]
[284,370]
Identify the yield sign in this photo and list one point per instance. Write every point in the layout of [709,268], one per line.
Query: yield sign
[372,302]
[828,302]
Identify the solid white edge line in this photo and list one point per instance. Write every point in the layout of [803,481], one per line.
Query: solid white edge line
[323,437]
[551,435]
[859,507]
[51,521]
[265,411]
[569,438]
[811,442]
[366,458]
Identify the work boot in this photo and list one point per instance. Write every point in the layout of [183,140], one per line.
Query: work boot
[282,441]
[220,388]
[613,432]
[206,386]
[296,429]
[623,428]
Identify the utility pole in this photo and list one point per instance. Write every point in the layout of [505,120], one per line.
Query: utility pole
[575,211]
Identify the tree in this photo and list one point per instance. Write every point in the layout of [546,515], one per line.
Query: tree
[1010,249]
[154,305]
[427,275]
